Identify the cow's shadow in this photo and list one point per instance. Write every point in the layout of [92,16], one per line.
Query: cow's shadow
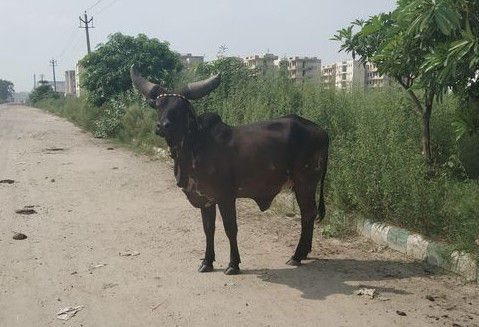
[319,278]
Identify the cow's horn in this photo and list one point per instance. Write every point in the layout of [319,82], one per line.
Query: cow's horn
[148,89]
[199,89]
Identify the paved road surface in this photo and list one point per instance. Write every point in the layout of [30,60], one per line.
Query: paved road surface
[93,203]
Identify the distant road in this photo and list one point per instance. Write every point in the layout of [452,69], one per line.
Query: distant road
[93,203]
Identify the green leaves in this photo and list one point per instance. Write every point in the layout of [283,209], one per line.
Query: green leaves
[106,70]
[429,46]
[430,16]
[6,90]
[446,18]
[42,92]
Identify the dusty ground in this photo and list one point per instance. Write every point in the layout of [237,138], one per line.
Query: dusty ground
[93,203]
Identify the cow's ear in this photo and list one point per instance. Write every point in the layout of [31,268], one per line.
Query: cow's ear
[199,89]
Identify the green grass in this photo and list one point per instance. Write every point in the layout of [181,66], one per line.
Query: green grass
[376,169]
[132,125]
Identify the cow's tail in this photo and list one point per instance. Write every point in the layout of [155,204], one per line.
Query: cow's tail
[323,166]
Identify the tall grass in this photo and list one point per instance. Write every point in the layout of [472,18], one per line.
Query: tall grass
[128,121]
[376,168]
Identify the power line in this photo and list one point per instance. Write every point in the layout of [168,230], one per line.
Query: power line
[106,7]
[93,6]
[70,40]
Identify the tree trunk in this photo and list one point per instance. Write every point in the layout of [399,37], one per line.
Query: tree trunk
[425,114]
[426,134]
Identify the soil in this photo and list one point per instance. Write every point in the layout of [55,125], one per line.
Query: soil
[92,213]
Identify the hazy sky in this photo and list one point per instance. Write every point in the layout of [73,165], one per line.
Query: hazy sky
[32,31]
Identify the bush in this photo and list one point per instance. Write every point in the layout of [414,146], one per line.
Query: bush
[125,119]
[43,92]
[137,127]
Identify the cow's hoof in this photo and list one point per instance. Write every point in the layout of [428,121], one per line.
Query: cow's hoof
[232,271]
[293,262]
[205,268]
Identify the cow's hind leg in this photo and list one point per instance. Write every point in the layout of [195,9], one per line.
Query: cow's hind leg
[208,214]
[228,213]
[305,191]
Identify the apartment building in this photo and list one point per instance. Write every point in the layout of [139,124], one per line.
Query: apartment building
[344,75]
[70,84]
[328,75]
[301,68]
[263,62]
[373,78]
[78,71]
[349,74]
[188,60]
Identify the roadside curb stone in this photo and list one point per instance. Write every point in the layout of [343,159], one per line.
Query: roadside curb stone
[379,233]
[367,228]
[464,265]
[397,239]
[417,247]
[435,256]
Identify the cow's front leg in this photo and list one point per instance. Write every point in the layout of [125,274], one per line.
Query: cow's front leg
[208,214]
[228,213]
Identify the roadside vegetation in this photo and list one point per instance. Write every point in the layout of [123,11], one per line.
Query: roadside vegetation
[6,90]
[392,158]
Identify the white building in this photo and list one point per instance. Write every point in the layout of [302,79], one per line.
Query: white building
[349,74]
[70,83]
[301,68]
[328,75]
[188,60]
[344,75]
[78,71]
[263,62]
[373,78]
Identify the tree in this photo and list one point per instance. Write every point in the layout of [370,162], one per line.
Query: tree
[409,43]
[233,73]
[457,59]
[42,92]
[6,90]
[106,70]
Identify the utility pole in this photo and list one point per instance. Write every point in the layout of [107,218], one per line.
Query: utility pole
[86,26]
[53,62]
[34,81]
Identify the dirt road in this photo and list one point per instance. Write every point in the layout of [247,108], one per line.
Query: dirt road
[93,203]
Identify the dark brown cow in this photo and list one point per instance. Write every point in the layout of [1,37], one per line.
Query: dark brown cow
[215,163]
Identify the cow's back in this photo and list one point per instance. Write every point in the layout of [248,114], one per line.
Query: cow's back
[268,154]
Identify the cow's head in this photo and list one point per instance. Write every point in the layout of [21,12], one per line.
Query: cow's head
[176,116]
